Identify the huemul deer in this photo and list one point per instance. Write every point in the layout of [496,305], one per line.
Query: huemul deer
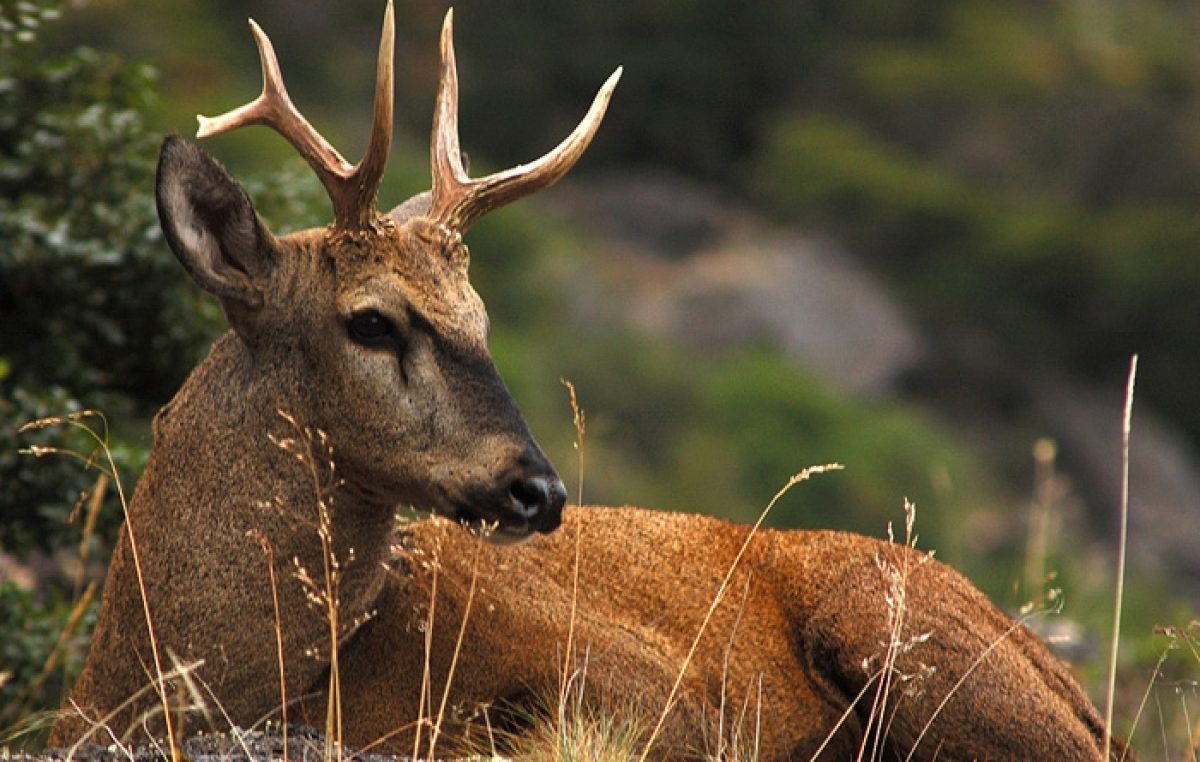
[368,330]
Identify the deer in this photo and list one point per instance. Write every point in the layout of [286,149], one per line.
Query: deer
[369,332]
[367,328]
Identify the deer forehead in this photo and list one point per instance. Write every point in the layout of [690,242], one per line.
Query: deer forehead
[410,268]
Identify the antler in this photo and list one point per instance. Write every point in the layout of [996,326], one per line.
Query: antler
[352,189]
[458,200]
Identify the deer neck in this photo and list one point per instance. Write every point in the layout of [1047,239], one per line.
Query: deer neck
[225,520]
[218,457]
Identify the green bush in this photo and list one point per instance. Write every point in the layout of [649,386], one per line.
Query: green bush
[1060,284]
[29,678]
[92,313]
[826,170]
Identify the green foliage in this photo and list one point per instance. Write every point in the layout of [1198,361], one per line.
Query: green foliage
[1060,283]
[79,240]
[92,312]
[20,22]
[828,170]
[26,681]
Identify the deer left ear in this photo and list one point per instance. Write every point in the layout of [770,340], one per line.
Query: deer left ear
[212,227]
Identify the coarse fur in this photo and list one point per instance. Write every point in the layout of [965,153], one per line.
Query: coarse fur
[369,331]
[801,637]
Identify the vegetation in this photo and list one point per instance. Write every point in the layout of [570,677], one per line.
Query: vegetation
[1018,169]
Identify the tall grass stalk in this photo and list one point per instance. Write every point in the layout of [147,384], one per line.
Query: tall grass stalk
[716,601]
[268,551]
[1119,594]
[1154,676]
[580,422]
[462,631]
[313,450]
[727,748]
[426,678]
[79,422]
[897,601]
[1046,494]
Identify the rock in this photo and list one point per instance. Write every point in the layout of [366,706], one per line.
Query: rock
[683,263]
[1164,482]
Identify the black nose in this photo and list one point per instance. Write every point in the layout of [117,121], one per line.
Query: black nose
[540,500]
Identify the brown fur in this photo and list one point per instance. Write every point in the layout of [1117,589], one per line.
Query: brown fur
[801,632]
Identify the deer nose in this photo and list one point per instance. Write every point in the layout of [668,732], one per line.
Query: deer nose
[540,501]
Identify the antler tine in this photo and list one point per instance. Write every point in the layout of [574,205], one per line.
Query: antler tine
[365,180]
[458,201]
[449,174]
[351,188]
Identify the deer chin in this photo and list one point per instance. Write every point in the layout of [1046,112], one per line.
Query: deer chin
[509,529]
[496,525]
[500,534]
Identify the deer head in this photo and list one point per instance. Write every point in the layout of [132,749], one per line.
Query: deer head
[369,328]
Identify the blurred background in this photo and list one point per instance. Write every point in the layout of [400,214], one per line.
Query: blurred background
[921,238]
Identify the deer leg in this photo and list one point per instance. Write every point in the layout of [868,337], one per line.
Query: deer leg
[937,671]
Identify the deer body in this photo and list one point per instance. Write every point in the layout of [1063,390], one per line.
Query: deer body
[369,331]
[799,640]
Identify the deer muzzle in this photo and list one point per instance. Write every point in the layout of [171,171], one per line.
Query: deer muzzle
[539,500]
[524,501]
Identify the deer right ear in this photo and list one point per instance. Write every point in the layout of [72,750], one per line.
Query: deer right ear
[211,226]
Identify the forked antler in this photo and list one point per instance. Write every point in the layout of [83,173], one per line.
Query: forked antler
[352,189]
[458,200]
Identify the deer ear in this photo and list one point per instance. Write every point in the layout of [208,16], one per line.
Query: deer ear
[211,225]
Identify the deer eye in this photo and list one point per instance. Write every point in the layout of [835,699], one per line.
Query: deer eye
[371,329]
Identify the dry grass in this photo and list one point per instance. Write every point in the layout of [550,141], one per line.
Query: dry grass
[312,449]
[579,419]
[269,551]
[568,729]
[101,458]
[1123,536]
[571,731]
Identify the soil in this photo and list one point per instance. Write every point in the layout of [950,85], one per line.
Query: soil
[303,745]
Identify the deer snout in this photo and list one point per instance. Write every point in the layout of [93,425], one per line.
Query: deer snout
[525,498]
[539,500]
